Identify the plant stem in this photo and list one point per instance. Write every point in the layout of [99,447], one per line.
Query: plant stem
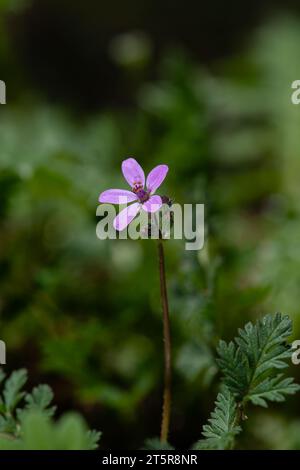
[167,345]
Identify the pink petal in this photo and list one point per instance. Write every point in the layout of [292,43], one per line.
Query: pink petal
[126,216]
[153,204]
[156,177]
[133,172]
[117,196]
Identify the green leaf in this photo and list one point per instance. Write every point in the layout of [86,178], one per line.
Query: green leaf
[93,438]
[71,432]
[40,398]
[272,389]
[37,433]
[12,394]
[41,433]
[231,364]
[31,426]
[249,364]
[222,427]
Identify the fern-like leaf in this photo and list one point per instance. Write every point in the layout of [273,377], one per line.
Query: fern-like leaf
[272,389]
[222,427]
[12,389]
[40,398]
[250,367]
[249,364]
[93,438]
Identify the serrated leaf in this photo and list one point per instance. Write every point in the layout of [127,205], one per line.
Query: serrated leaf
[12,390]
[272,389]
[249,364]
[39,399]
[222,428]
[33,429]
[93,438]
[71,433]
[231,363]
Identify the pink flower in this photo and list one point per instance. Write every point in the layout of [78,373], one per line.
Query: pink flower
[145,198]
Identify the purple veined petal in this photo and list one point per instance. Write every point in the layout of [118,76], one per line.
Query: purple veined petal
[156,177]
[153,204]
[126,216]
[133,173]
[117,196]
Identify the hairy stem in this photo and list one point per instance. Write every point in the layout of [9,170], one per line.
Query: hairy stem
[167,345]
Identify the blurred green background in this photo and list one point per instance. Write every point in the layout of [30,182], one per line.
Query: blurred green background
[204,88]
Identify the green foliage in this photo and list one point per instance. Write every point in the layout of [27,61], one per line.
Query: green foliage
[38,432]
[231,139]
[32,426]
[40,399]
[12,390]
[222,427]
[249,366]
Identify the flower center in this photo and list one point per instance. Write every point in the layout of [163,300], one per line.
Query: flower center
[137,186]
[142,195]
[140,192]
